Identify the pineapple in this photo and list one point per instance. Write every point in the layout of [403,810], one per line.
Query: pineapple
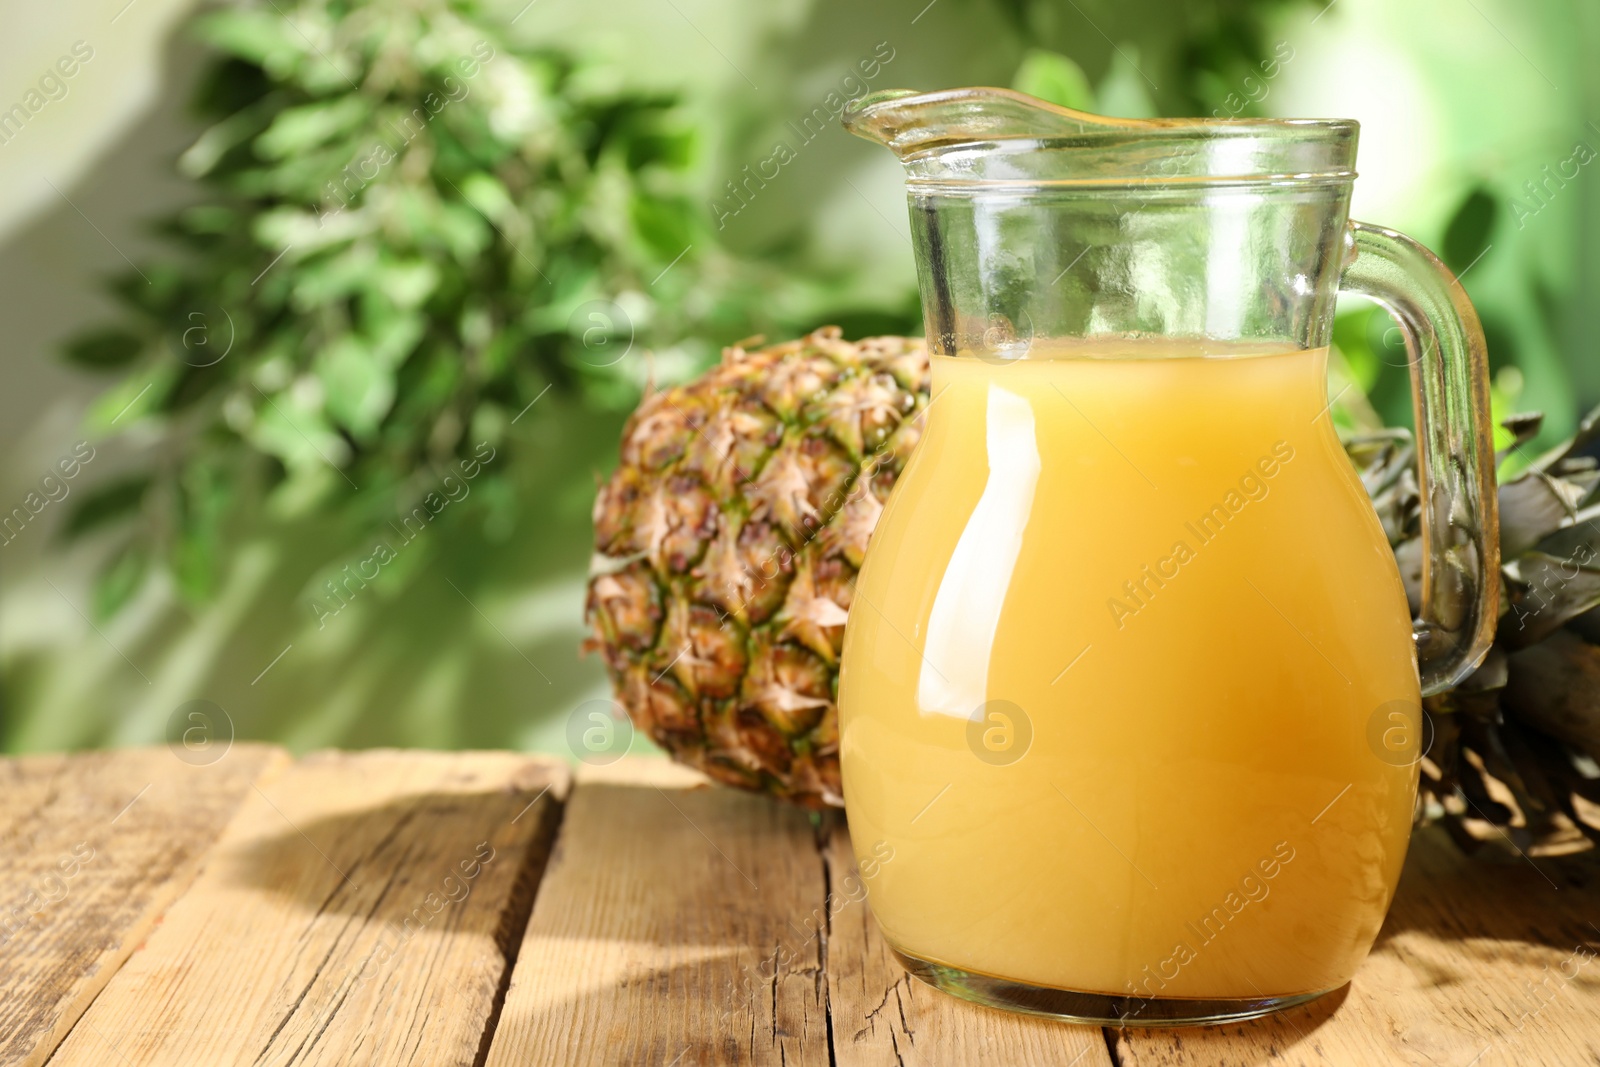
[1515,744]
[728,544]
[730,536]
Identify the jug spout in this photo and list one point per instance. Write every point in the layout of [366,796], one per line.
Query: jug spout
[907,122]
[987,134]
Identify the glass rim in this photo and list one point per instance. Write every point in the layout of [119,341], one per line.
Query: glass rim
[959,187]
[872,108]
[984,137]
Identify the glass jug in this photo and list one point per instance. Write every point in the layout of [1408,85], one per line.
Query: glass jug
[1132,690]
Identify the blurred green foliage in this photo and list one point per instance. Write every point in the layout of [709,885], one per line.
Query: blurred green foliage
[411,228]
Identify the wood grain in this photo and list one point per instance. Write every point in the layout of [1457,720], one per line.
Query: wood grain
[353,912]
[95,846]
[1485,961]
[677,924]
[368,909]
[882,1017]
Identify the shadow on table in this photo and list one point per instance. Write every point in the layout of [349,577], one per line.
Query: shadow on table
[1271,1039]
[1466,939]
[441,863]
[1495,894]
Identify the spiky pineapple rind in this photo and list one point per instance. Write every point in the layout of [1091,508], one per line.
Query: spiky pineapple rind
[728,542]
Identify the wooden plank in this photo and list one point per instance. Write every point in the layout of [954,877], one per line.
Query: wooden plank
[673,927]
[882,1017]
[1485,961]
[95,846]
[355,911]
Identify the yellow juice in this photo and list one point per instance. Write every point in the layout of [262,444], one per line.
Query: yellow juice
[1129,702]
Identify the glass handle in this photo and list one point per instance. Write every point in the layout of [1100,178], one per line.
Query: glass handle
[1455,446]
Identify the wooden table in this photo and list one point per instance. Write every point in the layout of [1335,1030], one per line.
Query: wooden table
[490,908]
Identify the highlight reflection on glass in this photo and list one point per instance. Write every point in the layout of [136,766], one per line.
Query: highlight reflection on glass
[966,612]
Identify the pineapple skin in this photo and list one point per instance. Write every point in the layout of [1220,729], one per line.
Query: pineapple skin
[727,546]
[1509,746]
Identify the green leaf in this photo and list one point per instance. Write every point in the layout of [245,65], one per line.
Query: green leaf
[1052,76]
[1125,90]
[293,426]
[256,35]
[463,231]
[201,157]
[666,226]
[105,504]
[1350,337]
[668,147]
[210,219]
[329,279]
[120,579]
[134,398]
[408,282]
[104,349]
[300,129]
[285,228]
[158,292]
[489,196]
[1467,236]
[359,391]
[396,338]
[202,497]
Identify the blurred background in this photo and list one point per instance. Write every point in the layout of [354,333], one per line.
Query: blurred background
[274,277]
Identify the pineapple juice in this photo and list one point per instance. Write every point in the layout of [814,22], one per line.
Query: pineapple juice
[1132,694]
